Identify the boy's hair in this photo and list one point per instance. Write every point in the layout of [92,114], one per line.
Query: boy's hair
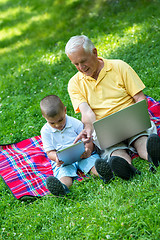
[51,106]
[77,42]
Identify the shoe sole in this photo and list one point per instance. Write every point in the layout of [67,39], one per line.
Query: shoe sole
[104,170]
[55,186]
[122,168]
[153,149]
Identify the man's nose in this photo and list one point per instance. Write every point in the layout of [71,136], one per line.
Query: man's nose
[81,66]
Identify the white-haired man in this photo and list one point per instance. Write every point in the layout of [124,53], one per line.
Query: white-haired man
[100,88]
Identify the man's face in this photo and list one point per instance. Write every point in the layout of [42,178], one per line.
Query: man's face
[85,62]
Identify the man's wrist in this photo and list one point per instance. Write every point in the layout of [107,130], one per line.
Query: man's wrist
[89,126]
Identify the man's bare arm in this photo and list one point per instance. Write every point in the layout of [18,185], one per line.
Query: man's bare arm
[139,97]
[87,117]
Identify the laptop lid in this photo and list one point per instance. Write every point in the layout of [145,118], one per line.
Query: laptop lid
[71,154]
[123,124]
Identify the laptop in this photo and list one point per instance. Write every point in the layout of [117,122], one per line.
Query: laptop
[71,154]
[122,125]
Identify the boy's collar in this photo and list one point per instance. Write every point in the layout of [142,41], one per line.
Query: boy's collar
[68,125]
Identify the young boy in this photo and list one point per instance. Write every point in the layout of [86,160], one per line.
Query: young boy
[59,132]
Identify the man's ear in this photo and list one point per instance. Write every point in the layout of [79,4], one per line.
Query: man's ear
[65,109]
[95,51]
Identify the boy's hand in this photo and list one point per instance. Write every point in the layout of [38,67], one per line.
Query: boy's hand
[53,156]
[87,153]
[58,162]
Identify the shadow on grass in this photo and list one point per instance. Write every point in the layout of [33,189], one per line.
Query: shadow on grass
[49,22]
[42,27]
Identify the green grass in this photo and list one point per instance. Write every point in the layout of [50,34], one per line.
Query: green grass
[33,64]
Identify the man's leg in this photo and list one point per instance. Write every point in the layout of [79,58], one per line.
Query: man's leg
[97,166]
[140,145]
[148,148]
[104,170]
[147,145]
[123,154]
[115,159]
[120,163]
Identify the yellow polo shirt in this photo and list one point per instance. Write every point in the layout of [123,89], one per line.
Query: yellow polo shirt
[114,89]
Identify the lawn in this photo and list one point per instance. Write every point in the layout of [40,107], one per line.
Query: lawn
[33,64]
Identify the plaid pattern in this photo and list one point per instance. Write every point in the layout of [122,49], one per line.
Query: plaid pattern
[24,166]
[154,112]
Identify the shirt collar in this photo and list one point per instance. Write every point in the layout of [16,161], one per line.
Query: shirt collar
[68,125]
[106,68]
[107,65]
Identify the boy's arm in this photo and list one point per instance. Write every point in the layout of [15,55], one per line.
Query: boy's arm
[52,155]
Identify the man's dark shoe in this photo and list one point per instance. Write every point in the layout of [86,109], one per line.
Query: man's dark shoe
[122,168]
[153,149]
[56,187]
[104,170]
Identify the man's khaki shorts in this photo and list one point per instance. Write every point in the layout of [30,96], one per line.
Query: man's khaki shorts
[106,154]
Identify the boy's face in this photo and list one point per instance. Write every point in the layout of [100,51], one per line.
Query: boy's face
[59,121]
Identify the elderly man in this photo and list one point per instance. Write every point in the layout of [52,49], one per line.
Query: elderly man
[102,87]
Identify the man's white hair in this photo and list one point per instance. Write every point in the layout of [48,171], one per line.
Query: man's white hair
[77,42]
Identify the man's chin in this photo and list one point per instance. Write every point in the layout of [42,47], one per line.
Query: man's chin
[87,73]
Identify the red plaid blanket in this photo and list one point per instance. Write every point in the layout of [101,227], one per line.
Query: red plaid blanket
[24,166]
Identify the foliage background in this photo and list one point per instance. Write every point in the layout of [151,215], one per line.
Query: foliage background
[33,64]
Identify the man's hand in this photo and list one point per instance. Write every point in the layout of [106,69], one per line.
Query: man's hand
[85,136]
[88,117]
